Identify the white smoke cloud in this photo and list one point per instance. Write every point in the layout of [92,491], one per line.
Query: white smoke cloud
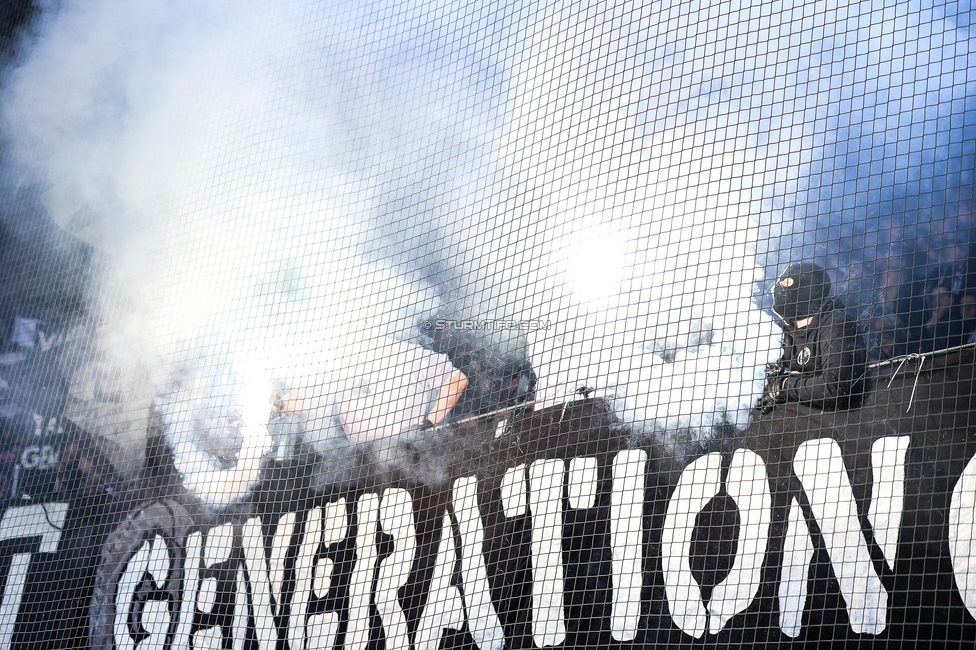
[244,170]
[662,126]
[281,185]
[643,193]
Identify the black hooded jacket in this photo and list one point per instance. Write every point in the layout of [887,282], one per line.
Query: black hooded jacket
[826,359]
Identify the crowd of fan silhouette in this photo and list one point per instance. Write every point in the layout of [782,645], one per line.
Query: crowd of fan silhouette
[932,312]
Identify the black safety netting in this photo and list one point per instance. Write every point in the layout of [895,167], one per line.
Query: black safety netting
[487,325]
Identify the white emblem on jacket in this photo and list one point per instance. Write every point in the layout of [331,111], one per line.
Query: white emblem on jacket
[804,356]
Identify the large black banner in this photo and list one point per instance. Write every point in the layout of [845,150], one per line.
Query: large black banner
[548,529]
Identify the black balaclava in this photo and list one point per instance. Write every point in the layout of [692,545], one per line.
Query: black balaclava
[806,288]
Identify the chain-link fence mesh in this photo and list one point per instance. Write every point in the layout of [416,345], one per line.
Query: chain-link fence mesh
[487,325]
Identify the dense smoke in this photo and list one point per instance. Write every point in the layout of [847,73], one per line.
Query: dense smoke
[642,212]
[279,188]
[877,155]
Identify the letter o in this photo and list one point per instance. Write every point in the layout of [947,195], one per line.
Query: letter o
[962,531]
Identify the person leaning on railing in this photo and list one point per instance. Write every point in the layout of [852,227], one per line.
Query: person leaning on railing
[824,357]
[403,389]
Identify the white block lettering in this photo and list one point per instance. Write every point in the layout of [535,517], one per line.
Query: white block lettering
[627,542]
[581,487]
[239,624]
[396,518]
[748,486]
[820,467]
[321,629]
[155,620]
[483,623]
[219,544]
[962,533]
[546,498]
[127,585]
[311,540]
[699,483]
[888,492]
[797,554]
[364,572]
[44,520]
[191,579]
[210,638]
[335,529]
[513,491]
[41,520]
[280,544]
[444,608]
[262,583]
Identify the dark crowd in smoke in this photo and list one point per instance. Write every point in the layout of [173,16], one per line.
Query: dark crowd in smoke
[886,204]
[44,334]
[44,276]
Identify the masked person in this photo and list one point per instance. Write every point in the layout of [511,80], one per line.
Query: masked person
[824,358]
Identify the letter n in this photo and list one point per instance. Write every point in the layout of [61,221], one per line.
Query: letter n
[820,467]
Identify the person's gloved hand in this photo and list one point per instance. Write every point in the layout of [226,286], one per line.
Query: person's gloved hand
[773,394]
